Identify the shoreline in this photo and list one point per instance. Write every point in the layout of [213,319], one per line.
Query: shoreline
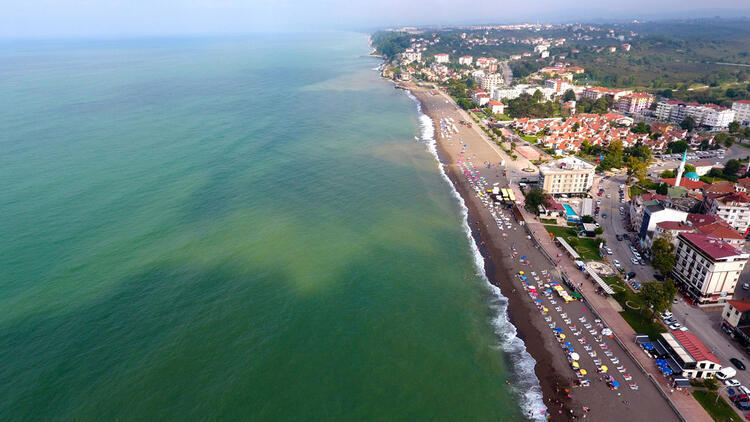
[548,368]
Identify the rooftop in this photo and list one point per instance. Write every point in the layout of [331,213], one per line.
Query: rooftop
[711,245]
[695,347]
[567,163]
[686,183]
[673,225]
[720,229]
[740,305]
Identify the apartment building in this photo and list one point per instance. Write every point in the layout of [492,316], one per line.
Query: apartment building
[634,103]
[569,175]
[466,60]
[734,208]
[742,111]
[492,81]
[707,268]
[707,115]
[442,58]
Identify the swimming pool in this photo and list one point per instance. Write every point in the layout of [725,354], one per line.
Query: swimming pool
[569,210]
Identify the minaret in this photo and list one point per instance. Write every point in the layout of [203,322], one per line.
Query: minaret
[681,169]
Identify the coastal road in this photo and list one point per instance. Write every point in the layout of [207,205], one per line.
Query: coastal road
[619,405]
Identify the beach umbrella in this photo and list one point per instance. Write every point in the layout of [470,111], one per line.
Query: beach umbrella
[604,368]
[539,301]
[545,309]
[606,332]
[562,336]
[520,272]
[567,343]
[583,372]
[576,364]
[524,257]
[558,330]
[574,356]
[570,349]
[615,384]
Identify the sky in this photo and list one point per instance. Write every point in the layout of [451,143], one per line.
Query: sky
[93,18]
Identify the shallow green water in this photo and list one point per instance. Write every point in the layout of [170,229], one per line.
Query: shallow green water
[230,229]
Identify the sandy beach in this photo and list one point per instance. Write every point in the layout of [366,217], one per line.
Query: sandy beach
[502,247]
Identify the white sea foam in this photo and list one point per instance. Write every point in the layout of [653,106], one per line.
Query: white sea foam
[526,384]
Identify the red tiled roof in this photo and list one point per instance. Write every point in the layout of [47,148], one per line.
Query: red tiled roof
[711,245]
[497,103]
[703,219]
[720,229]
[743,101]
[740,305]
[686,183]
[695,347]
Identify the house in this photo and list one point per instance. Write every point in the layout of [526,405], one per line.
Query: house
[687,355]
[465,60]
[496,107]
[707,268]
[653,214]
[668,230]
[694,186]
[736,317]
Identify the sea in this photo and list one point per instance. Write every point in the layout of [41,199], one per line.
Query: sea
[237,228]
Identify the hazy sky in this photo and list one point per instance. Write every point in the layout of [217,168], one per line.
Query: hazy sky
[51,18]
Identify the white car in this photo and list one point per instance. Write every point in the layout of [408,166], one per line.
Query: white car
[634,261]
[732,383]
[675,326]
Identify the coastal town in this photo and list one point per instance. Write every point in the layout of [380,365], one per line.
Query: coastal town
[616,213]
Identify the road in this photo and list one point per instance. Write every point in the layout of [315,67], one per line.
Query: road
[507,73]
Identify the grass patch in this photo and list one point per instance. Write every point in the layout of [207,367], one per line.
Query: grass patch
[587,247]
[720,411]
[549,220]
[637,190]
[640,322]
[529,138]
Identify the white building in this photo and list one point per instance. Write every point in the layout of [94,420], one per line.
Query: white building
[707,267]
[410,55]
[708,115]
[559,85]
[654,214]
[733,207]
[569,175]
[465,60]
[496,107]
[491,82]
[442,58]
[742,111]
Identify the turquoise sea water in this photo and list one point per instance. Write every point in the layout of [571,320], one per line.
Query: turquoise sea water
[231,229]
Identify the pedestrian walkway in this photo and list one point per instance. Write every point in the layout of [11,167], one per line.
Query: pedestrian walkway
[687,406]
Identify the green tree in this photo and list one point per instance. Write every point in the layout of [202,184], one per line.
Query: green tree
[599,230]
[641,127]
[688,124]
[534,198]
[657,296]
[677,147]
[667,174]
[569,95]
[587,219]
[636,168]
[731,168]
[734,127]
[662,252]
[575,127]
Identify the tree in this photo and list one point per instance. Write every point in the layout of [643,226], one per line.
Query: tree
[662,189]
[534,198]
[677,147]
[569,95]
[641,127]
[667,174]
[731,168]
[599,230]
[636,168]
[662,252]
[734,127]
[587,219]
[657,296]
[576,126]
[688,123]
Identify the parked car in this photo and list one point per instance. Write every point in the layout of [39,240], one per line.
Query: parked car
[619,237]
[732,383]
[631,275]
[726,372]
[626,236]
[634,261]
[609,251]
[738,364]
[666,315]
[641,261]
[675,326]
